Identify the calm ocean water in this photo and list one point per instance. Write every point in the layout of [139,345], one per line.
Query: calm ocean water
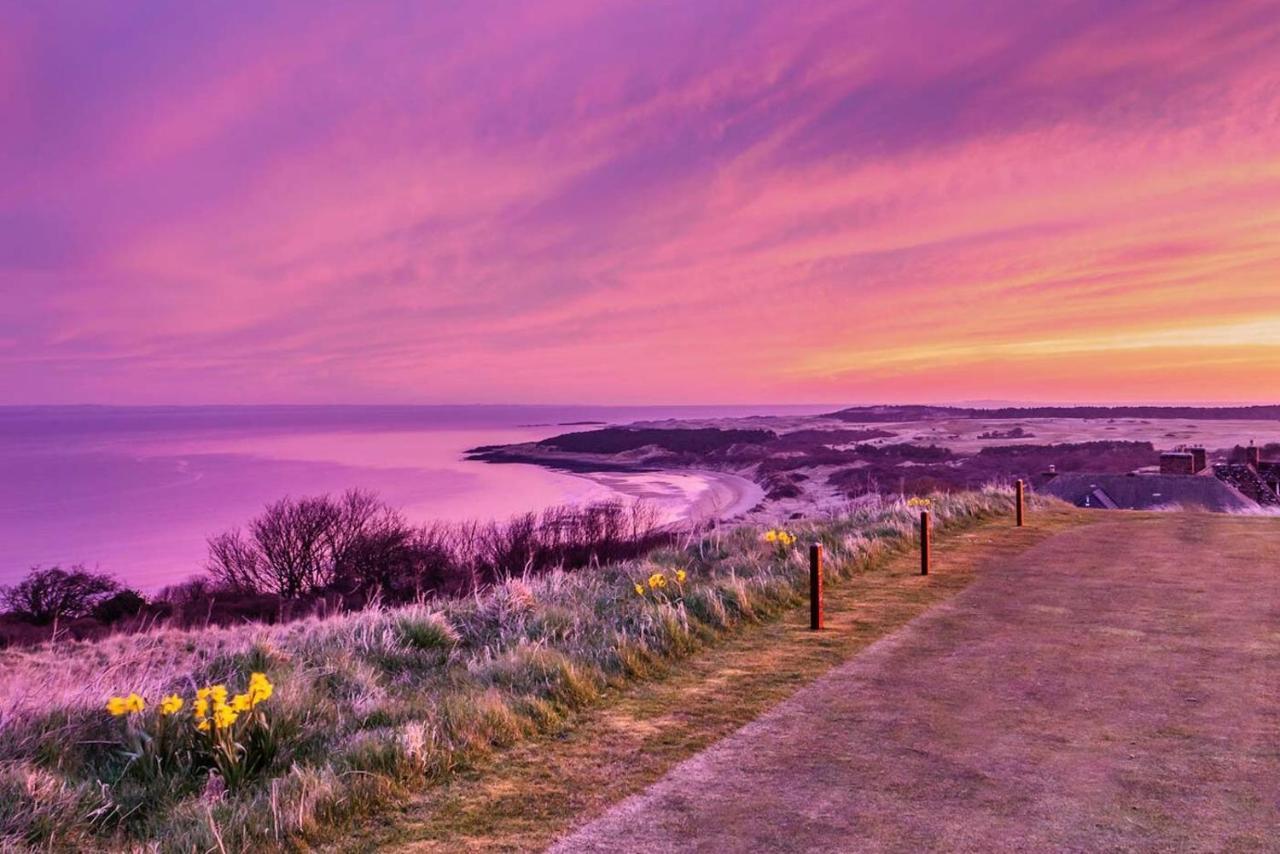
[136,491]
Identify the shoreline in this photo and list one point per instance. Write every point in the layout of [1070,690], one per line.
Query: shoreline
[684,496]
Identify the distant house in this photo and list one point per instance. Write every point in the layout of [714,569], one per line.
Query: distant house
[1145,492]
[1188,461]
[1254,478]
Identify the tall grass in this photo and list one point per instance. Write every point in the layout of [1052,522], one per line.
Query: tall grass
[372,704]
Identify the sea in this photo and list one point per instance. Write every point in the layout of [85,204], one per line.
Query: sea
[137,491]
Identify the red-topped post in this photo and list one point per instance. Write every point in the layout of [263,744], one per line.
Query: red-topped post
[1020,489]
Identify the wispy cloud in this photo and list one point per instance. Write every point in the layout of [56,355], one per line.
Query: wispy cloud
[639,201]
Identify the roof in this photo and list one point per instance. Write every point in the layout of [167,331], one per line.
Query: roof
[1145,492]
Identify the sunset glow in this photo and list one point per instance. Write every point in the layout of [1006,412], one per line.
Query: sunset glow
[639,202]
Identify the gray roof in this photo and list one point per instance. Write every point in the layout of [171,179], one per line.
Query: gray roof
[1145,492]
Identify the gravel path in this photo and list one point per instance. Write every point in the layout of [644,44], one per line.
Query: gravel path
[1118,688]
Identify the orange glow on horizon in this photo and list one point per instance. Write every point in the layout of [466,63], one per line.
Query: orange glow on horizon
[620,204]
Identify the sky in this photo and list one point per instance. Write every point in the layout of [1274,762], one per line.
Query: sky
[639,202]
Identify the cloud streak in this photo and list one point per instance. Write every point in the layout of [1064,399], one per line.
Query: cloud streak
[639,201]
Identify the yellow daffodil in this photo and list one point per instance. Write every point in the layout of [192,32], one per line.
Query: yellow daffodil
[639,589]
[681,575]
[782,538]
[260,688]
[657,580]
[201,709]
[134,704]
[241,703]
[203,726]
[170,704]
[224,717]
[116,706]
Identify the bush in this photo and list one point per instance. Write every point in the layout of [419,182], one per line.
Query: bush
[46,595]
[126,603]
[358,548]
[303,546]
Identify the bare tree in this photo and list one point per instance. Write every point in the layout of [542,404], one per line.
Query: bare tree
[52,594]
[235,563]
[302,546]
[371,545]
[292,539]
[356,544]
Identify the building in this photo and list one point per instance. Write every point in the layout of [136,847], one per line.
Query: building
[1184,479]
[1177,462]
[1184,461]
[1145,492]
[1255,478]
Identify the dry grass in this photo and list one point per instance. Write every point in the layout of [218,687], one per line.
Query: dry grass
[377,704]
[528,796]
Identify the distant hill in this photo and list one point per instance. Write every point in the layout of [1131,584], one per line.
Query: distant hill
[617,440]
[874,414]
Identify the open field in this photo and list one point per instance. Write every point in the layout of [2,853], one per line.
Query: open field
[1114,687]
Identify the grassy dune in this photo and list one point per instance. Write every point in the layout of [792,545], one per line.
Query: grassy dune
[373,706]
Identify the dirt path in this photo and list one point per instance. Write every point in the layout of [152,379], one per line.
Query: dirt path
[1115,687]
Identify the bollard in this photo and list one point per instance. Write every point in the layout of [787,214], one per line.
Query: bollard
[1018,488]
[924,542]
[815,587]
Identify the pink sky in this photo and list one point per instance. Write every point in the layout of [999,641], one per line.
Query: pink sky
[623,202]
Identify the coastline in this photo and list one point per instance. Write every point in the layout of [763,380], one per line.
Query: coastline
[684,496]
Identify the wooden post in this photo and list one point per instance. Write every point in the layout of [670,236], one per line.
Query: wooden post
[924,542]
[815,587]
[1019,489]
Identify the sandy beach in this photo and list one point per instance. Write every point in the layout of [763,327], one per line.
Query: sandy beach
[691,496]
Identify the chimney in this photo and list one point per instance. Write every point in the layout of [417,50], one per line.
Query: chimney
[1253,455]
[1177,462]
[1200,457]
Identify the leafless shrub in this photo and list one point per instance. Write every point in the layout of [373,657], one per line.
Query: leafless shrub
[358,546]
[52,594]
[299,547]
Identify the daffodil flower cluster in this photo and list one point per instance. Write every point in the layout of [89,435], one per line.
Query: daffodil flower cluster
[224,733]
[781,538]
[130,705]
[212,707]
[658,581]
[918,502]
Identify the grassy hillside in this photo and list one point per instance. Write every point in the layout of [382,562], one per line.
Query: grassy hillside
[369,707]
